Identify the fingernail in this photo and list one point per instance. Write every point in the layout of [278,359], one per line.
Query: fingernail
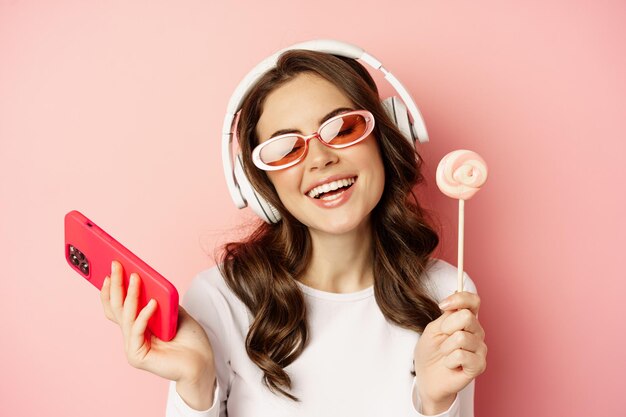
[444,304]
[113,266]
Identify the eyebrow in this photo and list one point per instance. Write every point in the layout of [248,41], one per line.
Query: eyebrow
[322,120]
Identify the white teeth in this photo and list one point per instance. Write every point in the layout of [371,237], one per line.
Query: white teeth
[334,185]
[331,197]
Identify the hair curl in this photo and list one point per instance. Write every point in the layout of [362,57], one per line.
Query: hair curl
[263,268]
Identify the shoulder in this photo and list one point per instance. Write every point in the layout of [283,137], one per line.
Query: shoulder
[209,296]
[441,279]
[209,282]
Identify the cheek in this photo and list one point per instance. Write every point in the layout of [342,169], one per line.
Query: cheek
[379,179]
[370,156]
[373,160]
[286,182]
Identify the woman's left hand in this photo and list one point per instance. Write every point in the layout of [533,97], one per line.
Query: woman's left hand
[450,353]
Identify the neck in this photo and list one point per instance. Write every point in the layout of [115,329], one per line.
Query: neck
[341,263]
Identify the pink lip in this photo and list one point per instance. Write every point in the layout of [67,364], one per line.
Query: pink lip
[342,199]
[329,179]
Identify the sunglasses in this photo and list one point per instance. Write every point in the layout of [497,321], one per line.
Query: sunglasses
[338,132]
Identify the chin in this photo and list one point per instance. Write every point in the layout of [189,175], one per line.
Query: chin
[340,225]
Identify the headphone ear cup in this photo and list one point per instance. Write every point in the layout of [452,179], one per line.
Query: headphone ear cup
[397,111]
[260,206]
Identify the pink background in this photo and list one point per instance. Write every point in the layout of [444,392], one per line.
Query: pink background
[115,109]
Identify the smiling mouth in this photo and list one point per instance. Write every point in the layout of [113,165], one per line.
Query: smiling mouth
[331,190]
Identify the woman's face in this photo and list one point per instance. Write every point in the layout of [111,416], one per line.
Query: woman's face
[301,105]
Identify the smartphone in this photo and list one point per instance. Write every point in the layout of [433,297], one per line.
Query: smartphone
[89,251]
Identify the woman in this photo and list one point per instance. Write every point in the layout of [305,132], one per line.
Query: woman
[333,310]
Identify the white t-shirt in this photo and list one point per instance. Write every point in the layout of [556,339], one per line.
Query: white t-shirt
[356,363]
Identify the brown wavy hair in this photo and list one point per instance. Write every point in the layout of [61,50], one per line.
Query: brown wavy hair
[263,268]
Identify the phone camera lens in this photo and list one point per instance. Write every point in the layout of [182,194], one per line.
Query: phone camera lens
[85,268]
[74,259]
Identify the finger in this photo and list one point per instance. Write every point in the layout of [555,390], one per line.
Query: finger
[434,327]
[461,340]
[460,300]
[472,363]
[117,290]
[130,304]
[462,320]
[137,333]
[105,294]
[144,316]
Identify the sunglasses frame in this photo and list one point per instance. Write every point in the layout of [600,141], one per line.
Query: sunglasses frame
[256,153]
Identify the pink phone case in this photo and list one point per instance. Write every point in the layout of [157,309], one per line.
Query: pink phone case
[89,250]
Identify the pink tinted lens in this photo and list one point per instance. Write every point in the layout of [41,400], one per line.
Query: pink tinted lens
[282,151]
[344,130]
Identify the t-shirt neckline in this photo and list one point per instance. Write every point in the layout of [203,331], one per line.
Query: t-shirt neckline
[334,296]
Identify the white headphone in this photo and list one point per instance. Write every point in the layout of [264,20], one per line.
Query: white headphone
[401,111]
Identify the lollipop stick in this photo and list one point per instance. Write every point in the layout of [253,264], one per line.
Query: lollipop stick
[460,257]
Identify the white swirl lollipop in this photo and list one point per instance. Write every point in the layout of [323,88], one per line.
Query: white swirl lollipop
[460,174]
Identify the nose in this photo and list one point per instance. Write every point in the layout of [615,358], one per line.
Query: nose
[320,155]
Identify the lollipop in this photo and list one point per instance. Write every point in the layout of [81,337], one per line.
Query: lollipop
[460,174]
